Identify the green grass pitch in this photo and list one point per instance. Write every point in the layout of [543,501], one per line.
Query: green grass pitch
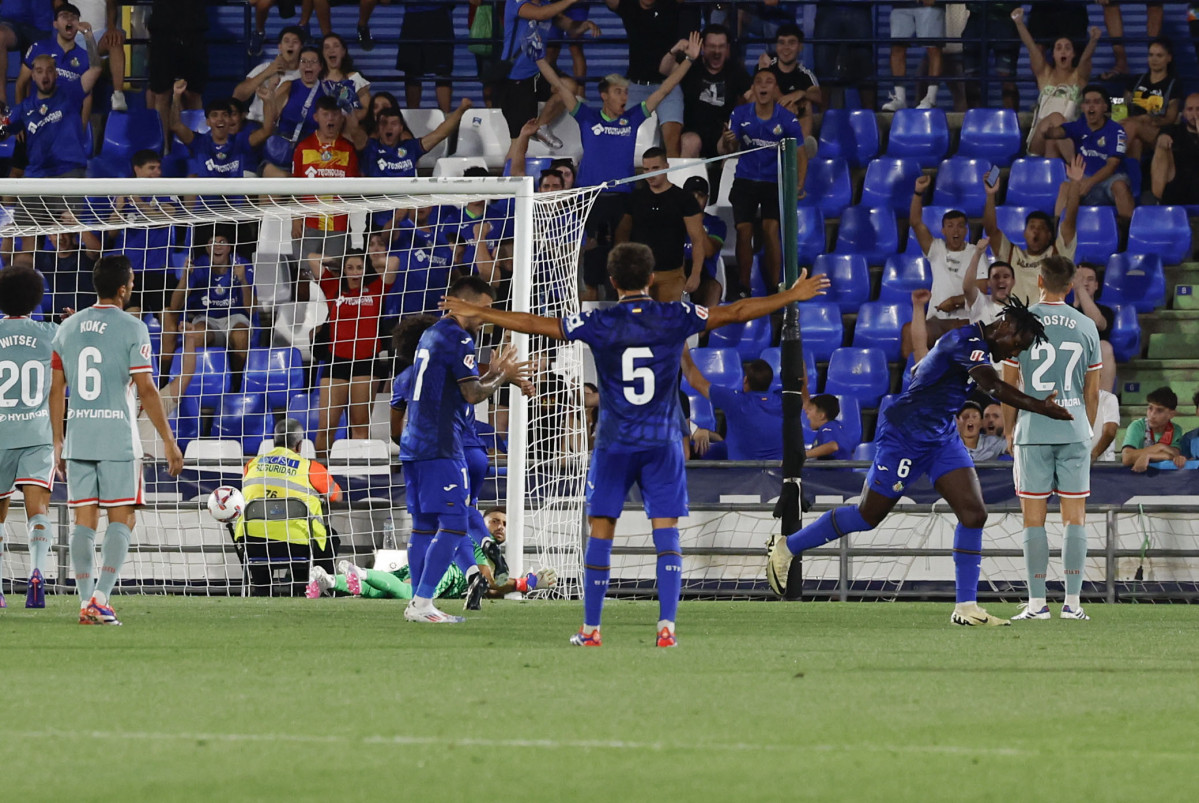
[232,699]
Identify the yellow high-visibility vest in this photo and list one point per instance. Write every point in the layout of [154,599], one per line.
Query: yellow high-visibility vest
[279,474]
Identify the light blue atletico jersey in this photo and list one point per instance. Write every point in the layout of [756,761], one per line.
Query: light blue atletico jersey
[753,132]
[637,346]
[437,411]
[26,347]
[1061,363]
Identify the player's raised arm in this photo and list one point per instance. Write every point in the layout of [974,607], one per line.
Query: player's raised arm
[805,288]
[695,377]
[516,321]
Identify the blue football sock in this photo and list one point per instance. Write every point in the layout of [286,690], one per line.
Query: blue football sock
[423,530]
[441,554]
[464,556]
[117,538]
[476,528]
[1036,560]
[967,561]
[670,572]
[597,568]
[83,560]
[39,542]
[832,525]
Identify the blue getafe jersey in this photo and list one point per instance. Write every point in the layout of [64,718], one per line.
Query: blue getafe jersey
[608,145]
[217,296]
[833,432]
[70,65]
[399,161]
[230,160]
[753,132]
[53,128]
[637,346]
[437,412]
[755,422]
[423,278]
[941,382]
[401,391]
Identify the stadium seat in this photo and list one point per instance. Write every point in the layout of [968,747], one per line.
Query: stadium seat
[1161,230]
[960,185]
[827,186]
[305,408]
[307,448]
[211,379]
[647,137]
[126,133]
[869,232]
[889,183]
[755,336]
[849,279]
[354,457]
[565,128]
[991,134]
[821,328]
[727,336]
[683,169]
[243,418]
[931,215]
[214,454]
[1097,234]
[880,326]
[720,366]
[484,133]
[1135,279]
[903,273]
[774,356]
[701,409]
[277,372]
[456,166]
[533,165]
[421,122]
[858,372]
[812,240]
[850,417]
[1035,182]
[865,451]
[1125,336]
[920,134]
[1011,221]
[185,420]
[851,134]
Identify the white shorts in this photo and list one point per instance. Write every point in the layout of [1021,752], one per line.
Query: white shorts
[926,22]
[219,327]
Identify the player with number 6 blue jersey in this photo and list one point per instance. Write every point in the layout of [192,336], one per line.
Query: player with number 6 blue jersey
[638,346]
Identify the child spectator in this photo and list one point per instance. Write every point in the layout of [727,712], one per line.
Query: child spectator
[982,447]
[1176,158]
[798,86]
[829,442]
[1101,143]
[1060,82]
[1155,437]
[947,256]
[918,21]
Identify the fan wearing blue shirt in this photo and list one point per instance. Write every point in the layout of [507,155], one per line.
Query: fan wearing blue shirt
[71,60]
[51,120]
[755,192]
[753,415]
[637,345]
[1101,142]
[217,152]
[830,442]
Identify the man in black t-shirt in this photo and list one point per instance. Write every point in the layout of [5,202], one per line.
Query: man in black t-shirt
[798,87]
[662,216]
[710,93]
[1176,158]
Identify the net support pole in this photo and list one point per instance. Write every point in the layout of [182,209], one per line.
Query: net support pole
[518,404]
[789,509]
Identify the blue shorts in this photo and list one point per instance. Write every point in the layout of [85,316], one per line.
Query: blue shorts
[477,463]
[437,486]
[899,462]
[658,473]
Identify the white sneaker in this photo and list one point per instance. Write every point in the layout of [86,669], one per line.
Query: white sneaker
[430,615]
[117,101]
[319,582]
[927,103]
[1073,613]
[778,563]
[895,103]
[970,615]
[353,577]
[1028,613]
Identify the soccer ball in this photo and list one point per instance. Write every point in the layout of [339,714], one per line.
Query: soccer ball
[226,504]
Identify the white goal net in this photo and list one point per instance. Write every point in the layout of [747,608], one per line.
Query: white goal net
[273,299]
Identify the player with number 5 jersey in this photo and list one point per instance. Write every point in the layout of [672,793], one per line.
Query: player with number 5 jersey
[638,347]
[103,354]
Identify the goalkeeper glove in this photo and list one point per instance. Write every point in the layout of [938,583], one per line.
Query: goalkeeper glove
[545,578]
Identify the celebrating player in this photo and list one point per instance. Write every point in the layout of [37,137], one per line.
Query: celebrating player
[26,443]
[1053,457]
[102,353]
[445,385]
[917,435]
[638,347]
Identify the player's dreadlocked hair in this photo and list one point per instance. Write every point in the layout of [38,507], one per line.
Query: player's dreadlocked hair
[1024,319]
[406,335]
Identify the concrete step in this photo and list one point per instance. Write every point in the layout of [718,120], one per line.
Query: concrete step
[1143,376]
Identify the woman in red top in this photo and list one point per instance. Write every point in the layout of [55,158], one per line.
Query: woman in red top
[355,298]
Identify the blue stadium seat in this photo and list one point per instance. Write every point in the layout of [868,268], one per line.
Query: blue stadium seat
[277,372]
[960,185]
[849,278]
[889,183]
[991,134]
[126,133]
[720,366]
[533,165]
[851,134]
[1161,230]
[243,417]
[1097,234]
[850,417]
[821,328]
[1135,279]
[812,239]
[1035,182]
[305,408]
[211,379]
[747,338]
[920,134]
[880,326]
[827,186]
[727,336]
[774,356]
[1011,220]
[1125,336]
[931,215]
[865,451]
[185,421]
[858,372]
[903,273]
[869,232]
[701,409]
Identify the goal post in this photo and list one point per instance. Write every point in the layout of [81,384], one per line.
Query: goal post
[233,376]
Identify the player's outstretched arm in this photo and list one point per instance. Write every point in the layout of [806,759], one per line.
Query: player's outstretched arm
[152,404]
[989,383]
[516,321]
[695,377]
[505,368]
[805,288]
